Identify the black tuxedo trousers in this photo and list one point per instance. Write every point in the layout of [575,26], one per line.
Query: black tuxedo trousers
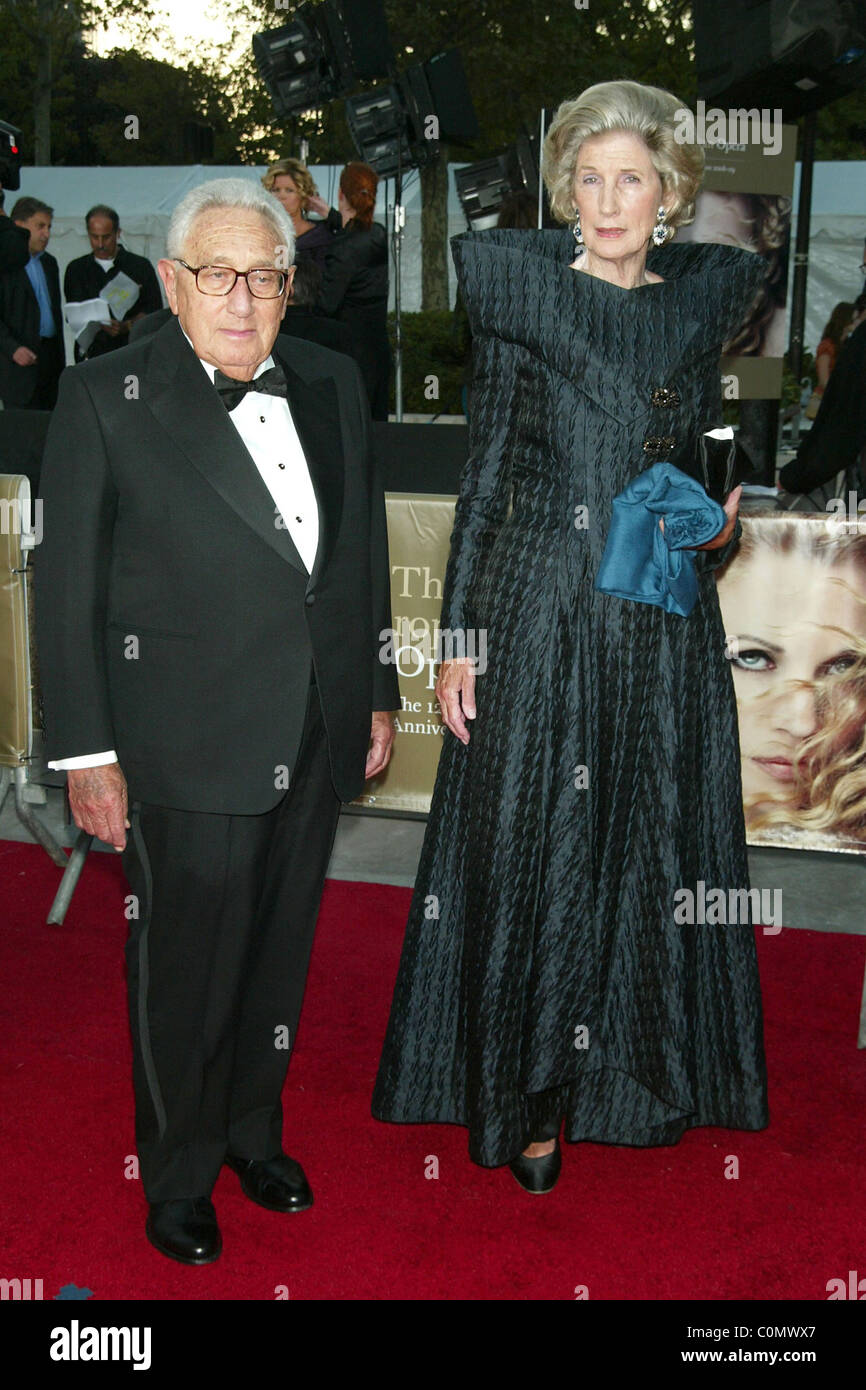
[217,960]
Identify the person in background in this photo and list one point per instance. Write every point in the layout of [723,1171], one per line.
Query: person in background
[301,322]
[862,269]
[355,282]
[292,183]
[837,439]
[87,276]
[14,241]
[31,327]
[835,331]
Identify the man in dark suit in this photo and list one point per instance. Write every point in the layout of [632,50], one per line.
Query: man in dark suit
[14,241]
[32,354]
[87,276]
[212,584]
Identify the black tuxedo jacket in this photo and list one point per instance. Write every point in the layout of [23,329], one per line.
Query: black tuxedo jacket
[19,326]
[176,622]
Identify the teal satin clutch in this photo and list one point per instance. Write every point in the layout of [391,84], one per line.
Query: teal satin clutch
[643,563]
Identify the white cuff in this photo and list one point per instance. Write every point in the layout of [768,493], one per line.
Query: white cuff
[85,760]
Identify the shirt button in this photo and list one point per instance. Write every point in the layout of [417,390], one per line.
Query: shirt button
[262,418]
[281,465]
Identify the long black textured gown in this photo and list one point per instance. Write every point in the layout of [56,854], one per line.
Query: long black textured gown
[543,974]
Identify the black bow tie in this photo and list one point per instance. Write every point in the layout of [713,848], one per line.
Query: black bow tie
[271,383]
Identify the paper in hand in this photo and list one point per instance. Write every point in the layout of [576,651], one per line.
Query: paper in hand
[85,318]
[120,294]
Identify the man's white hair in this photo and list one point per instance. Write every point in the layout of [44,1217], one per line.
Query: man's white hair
[228,194]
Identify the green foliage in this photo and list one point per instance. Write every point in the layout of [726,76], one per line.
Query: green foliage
[841,129]
[435,343]
[161,96]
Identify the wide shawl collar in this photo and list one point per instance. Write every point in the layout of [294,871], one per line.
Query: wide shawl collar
[518,286]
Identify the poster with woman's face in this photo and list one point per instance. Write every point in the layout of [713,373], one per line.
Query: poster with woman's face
[755,222]
[745,201]
[793,601]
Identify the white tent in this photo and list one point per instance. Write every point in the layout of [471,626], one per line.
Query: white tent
[145,197]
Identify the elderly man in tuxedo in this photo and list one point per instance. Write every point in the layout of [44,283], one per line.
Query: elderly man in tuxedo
[211,588]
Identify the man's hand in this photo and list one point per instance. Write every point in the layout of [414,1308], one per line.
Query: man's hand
[113,327]
[455,691]
[24,357]
[98,801]
[381,738]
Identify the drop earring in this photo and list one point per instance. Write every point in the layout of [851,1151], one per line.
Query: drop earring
[577,233]
[660,231]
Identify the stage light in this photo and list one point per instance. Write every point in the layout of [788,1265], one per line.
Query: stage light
[300,64]
[481,188]
[379,125]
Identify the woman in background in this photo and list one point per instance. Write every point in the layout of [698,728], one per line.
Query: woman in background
[794,605]
[292,184]
[354,285]
[835,332]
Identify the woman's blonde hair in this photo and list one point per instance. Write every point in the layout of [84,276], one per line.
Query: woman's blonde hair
[828,793]
[296,170]
[649,112]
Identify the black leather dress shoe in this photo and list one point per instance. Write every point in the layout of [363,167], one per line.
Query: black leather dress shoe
[185,1229]
[538,1175]
[278,1183]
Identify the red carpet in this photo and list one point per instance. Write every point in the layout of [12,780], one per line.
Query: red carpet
[626,1223]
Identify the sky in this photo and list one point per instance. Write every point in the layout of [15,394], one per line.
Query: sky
[188,24]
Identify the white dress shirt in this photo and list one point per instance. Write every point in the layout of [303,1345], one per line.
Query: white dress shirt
[268,431]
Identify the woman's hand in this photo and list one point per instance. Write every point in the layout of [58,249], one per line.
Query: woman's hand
[455,691]
[732,502]
[316,203]
[730,505]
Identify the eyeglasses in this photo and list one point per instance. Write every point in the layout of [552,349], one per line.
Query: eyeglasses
[262,281]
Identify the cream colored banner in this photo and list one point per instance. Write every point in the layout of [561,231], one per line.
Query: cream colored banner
[793,601]
[419,533]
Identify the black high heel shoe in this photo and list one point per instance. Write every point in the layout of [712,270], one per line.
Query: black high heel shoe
[538,1175]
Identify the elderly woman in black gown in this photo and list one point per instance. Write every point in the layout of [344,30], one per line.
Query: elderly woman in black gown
[591,773]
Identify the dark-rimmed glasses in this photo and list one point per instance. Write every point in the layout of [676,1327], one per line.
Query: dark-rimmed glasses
[263,282]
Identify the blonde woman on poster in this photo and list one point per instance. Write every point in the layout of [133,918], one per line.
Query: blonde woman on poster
[793,601]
